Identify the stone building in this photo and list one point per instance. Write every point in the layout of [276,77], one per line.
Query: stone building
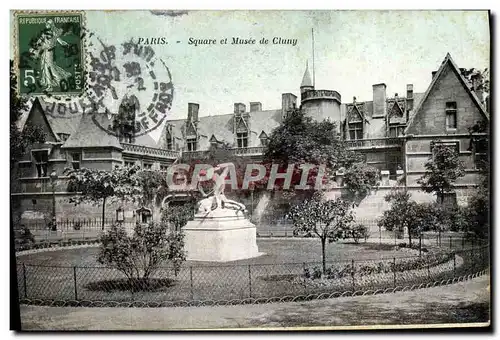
[393,132]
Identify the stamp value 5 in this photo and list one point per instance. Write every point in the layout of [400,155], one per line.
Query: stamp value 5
[50,52]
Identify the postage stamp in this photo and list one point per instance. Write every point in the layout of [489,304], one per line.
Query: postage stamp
[50,53]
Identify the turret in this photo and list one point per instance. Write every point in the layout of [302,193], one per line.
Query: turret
[306,84]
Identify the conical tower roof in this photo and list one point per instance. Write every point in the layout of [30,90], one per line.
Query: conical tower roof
[306,80]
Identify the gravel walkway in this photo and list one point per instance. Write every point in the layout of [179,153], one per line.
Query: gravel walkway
[465,302]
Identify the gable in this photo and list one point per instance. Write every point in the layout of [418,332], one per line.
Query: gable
[354,115]
[191,130]
[241,125]
[263,135]
[430,116]
[37,117]
[395,110]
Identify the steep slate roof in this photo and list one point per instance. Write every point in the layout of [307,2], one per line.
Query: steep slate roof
[447,60]
[306,80]
[222,127]
[69,123]
[90,134]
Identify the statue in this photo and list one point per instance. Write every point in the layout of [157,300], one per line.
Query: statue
[219,232]
[219,199]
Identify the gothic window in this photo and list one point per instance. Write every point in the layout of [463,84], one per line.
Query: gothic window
[41,159]
[242,139]
[192,144]
[451,115]
[356,130]
[75,160]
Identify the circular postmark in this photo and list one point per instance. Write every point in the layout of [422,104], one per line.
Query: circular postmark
[129,82]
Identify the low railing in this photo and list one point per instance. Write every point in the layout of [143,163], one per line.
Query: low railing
[146,150]
[314,94]
[250,151]
[193,285]
[374,143]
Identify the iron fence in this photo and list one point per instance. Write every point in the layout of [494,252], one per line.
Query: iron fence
[245,283]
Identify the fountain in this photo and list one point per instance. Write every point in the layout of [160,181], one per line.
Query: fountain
[220,230]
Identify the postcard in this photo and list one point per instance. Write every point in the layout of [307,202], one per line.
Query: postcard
[250,170]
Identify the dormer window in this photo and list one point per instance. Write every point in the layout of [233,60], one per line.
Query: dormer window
[192,144]
[396,130]
[242,139]
[356,130]
[63,136]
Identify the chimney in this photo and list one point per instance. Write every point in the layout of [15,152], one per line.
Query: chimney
[193,109]
[255,106]
[239,108]
[288,102]
[409,97]
[379,100]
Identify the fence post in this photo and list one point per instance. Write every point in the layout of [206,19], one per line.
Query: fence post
[250,280]
[74,281]
[191,281]
[450,241]
[352,275]
[454,264]
[24,282]
[420,245]
[463,241]
[428,270]
[394,270]
[304,273]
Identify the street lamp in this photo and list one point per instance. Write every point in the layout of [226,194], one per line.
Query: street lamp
[53,179]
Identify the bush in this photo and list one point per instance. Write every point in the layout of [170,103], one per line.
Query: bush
[26,237]
[139,256]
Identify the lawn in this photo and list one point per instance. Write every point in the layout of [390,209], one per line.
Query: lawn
[75,274]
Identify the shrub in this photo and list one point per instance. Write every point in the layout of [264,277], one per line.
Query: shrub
[140,255]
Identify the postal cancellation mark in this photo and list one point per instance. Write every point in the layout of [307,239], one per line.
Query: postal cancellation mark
[50,52]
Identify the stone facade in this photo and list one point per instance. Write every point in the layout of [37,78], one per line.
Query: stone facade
[394,133]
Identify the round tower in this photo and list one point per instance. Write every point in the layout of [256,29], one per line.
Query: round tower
[319,104]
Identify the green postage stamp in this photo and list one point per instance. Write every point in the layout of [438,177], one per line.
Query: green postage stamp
[50,52]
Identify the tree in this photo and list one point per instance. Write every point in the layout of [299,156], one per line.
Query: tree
[140,255]
[148,188]
[20,140]
[94,186]
[300,139]
[360,179]
[178,215]
[442,170]
[401,214]
[482,79]
[324,219]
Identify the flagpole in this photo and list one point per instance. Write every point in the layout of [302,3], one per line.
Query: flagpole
[314,75]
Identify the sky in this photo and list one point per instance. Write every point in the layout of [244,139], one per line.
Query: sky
[353,51]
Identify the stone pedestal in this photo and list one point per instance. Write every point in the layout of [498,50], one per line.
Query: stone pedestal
[220,235]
